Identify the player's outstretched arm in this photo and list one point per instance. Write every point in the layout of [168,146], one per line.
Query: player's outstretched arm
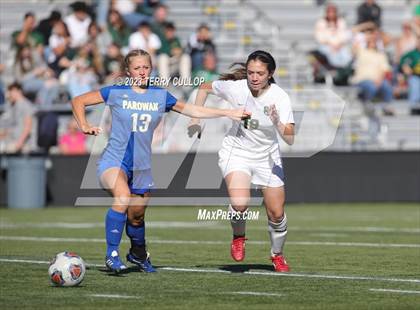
[78,105]
[200,99]
[203,112]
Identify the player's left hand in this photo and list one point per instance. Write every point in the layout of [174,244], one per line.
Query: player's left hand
[272,113]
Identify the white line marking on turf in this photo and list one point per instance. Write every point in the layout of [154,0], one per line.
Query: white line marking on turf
[258,273]
[114,296]
[64,225]
[254,293]
[212,242]
[204,225]
[298,275]
[385,290]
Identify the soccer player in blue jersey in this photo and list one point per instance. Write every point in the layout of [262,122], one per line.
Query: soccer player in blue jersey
[125,165]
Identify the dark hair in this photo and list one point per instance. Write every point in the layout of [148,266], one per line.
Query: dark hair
[14,85]
[203,26]
[241,72]
[28,14]
[134,53]
[170,26]
[144,24]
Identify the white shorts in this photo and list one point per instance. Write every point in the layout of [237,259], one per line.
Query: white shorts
[267,172]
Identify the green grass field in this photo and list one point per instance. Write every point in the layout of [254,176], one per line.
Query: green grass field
[347,256]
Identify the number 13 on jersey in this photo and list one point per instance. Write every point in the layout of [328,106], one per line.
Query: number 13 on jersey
[144,120]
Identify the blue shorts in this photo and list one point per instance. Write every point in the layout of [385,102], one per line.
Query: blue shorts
[139,181]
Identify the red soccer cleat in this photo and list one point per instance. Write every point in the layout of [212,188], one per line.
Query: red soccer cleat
[237,249]
[279,263]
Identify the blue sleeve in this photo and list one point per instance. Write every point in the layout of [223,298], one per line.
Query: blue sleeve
[105,92]
[170,101]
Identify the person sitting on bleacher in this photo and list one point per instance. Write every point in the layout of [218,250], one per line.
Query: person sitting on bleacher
[119,31]
[371,69]
[37,79]
[16,123]
[369,11]
[200,43]
[73,141]
[78,23]
[27,36]
[332,36]
[171,59]
[410,65]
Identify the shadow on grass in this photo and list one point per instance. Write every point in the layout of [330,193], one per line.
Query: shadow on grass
[118,274]
[239,268]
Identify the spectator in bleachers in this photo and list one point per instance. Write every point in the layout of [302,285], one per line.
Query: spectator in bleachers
[369,11]
[371,69]
[209,70]
[35,77]
[78,23]
[100,39]
[80,77]
[405,42]
[27,36]
[73,141]
[113,62]
[58,46]
[46,26]
[145,39]
[134,12]
[16,132]
[160,18]
[410,65]
[118,30]
[200,43]
[171,59]
[332,36]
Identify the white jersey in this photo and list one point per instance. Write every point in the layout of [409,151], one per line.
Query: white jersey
[251,143]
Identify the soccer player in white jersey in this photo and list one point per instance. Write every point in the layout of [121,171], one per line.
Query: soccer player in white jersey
[250,150]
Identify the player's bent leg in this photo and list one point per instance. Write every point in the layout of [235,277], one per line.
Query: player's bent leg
[135,230]
[277,225]
[238,184]
[115,180]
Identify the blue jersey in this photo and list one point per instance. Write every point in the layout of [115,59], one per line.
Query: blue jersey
[134,119]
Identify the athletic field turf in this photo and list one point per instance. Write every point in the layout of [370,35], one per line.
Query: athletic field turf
[346,256]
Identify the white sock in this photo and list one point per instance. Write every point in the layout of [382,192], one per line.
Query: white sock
[238,225]
[277,232]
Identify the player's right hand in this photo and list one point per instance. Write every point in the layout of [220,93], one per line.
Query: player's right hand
[91,130]
[194,127]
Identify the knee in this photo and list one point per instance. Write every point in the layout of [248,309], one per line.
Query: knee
[276,216]
[136,217]
[240,204]
[122,199]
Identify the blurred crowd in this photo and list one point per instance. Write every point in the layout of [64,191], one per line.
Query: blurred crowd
[382,67]
[61,57]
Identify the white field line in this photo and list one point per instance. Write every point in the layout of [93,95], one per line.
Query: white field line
[205,225]
[256,273]
[213,242]
[66,225]
[114,296]
[385,290]
[254,293]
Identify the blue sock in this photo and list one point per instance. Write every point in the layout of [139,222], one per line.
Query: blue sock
[136,234]
[114,227]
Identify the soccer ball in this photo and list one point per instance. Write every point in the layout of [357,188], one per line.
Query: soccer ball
[67,269]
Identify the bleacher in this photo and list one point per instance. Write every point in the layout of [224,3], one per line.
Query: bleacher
[284,28]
